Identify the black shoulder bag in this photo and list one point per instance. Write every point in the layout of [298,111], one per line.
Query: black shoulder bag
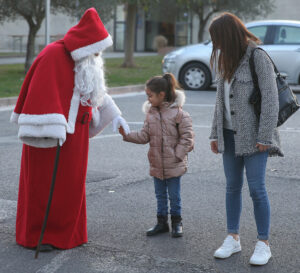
[288,103]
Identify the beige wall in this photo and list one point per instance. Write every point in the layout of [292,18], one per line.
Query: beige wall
[286,10]
[59,25]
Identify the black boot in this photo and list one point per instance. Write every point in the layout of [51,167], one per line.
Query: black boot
[177,228]
[43,248]
[47,248]
[161,226]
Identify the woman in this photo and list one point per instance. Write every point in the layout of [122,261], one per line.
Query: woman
[244,140]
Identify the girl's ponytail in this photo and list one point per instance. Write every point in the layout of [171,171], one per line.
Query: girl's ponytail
[171,86]
[166,83]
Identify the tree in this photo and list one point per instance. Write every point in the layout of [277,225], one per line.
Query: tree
[131,8]
[33,11]
[246,9]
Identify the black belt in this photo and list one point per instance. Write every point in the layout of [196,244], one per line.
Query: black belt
[85,118]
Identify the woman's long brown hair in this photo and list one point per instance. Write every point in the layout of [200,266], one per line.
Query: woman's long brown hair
[230,40]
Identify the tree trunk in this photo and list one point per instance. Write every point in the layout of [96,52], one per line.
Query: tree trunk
[30,46]
[201,31]
[203,22]
[130,35]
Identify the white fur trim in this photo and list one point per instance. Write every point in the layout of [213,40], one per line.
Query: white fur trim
[44,130]
[41,130]
[95,117]
[46,119]
[91,49]
[73,111]
[179,101]
[14,117]
[107,112]
[146,107]
[42,136]
[180,98]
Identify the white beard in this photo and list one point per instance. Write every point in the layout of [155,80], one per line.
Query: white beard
[90,81]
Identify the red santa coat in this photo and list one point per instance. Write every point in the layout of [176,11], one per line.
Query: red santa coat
[48,110]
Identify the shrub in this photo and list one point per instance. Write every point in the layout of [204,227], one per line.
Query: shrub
[159,42]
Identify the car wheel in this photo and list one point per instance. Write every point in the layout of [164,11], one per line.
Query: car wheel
[195,76]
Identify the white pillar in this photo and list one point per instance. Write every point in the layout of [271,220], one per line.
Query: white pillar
[47,22]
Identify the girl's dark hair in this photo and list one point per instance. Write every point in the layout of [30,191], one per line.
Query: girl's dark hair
[230,40]
[165,83]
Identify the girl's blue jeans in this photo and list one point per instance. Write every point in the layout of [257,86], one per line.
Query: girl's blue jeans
[164,189]
[255,166]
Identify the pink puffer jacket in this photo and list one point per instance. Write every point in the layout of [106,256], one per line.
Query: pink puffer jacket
[170,133]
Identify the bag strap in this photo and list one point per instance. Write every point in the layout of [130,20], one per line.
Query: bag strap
[252,67]
[253,73]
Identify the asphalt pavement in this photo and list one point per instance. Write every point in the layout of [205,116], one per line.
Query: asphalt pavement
[121,205]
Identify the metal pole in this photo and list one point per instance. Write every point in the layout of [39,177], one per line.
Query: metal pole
[47,22]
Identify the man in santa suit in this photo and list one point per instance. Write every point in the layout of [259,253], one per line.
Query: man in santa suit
[63,100]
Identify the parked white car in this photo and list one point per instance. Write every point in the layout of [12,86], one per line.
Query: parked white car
[281,39]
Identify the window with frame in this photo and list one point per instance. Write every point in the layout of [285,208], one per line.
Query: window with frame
[287,35]
[259,31]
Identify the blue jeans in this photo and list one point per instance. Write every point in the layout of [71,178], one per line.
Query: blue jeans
[255,166]
[166,187]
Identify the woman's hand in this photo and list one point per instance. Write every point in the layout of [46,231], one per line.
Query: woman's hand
[261,147]
[214,146]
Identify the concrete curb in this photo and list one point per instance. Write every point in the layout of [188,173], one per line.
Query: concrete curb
[112,91]
[8,101]
[126,89]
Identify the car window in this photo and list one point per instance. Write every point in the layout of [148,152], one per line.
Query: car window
[259,31]
[287,35]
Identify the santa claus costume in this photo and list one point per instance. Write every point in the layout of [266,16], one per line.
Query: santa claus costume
[63,85]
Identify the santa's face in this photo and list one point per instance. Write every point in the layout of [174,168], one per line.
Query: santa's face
[89,80]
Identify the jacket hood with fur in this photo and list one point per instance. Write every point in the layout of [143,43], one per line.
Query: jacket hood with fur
[179,101]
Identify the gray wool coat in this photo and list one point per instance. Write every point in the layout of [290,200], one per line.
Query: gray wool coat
[248,130]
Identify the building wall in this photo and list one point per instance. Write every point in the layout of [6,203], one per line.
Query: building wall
[59,25]
[286,10]
[11,33]
[140,31]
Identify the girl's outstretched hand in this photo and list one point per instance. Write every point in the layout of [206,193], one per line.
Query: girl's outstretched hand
[121,131]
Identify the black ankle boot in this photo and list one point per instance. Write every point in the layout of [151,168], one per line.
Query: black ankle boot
[46,248]
[177,228]
[161,226]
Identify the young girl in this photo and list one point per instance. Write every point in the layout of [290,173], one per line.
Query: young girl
[169,131]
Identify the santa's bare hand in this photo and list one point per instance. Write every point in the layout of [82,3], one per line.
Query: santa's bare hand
[120,122]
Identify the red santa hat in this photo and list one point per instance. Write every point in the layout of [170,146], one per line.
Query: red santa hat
[88,37]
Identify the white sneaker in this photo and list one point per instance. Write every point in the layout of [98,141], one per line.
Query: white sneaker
[229,247]
[261,254]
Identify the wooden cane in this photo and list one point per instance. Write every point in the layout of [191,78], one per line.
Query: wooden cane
[49,201]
